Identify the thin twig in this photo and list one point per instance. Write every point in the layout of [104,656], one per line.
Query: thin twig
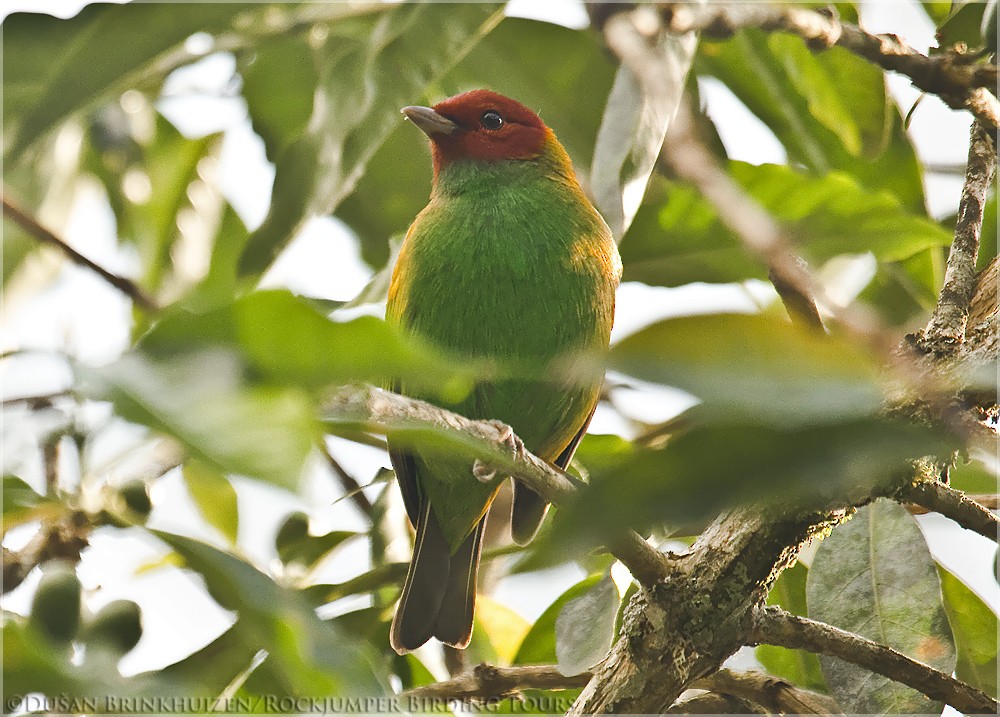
[768,691]
[349,483]
[960,80]
[31,225]
[486,681]
[63,538]
[365,408]
[36,402]
[946,330]
[774,626]
[954,504]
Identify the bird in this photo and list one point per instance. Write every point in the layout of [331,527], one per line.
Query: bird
[510,262]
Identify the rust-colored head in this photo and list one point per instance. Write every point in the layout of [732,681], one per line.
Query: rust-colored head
[480,125]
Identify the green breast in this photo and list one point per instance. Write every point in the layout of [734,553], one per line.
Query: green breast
[502,264]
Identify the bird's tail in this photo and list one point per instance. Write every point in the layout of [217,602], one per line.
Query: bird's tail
[526,514]
[439,595]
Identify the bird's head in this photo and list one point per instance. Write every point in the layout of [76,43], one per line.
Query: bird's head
[480,125]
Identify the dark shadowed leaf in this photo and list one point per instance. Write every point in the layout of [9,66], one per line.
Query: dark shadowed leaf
[727,462]
[799,667]
[759,366]
[368,66]
[310,657]
[585,627]
[874,576]
[975,628]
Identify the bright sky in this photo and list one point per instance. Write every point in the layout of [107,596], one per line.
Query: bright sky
[83,315]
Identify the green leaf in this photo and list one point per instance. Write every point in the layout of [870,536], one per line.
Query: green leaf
[973,476]
[975,628]
[18,497]
[720,463]
[874,576]
[680,239]
[799,667]
[830,110]
[284,338]
[539,645]
[758,366]
[310,549]
[53,68]
[311,657]
[368,67]
[585,627]
[964,24]
[215,497]
[199,397]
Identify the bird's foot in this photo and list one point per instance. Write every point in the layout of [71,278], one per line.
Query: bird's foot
[484,472]
[508,438]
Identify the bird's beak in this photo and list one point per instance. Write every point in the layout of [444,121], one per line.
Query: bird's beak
[429,121]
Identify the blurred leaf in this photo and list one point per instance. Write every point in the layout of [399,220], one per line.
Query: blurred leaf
[758,366]
[585,627]
[504,628]
[310,657]
[215,497]
[735,461]
[874,576]
[905,291]
[937,10]
[219,285]
[310,549]
[18,497]
[975,628]
[53,68]
[285,339]
[830,110]
[539,645]
[279,108]
[377,289]
[682,240]
[799,667]
[569,94]
[199,398]
[635,121]
[368,67]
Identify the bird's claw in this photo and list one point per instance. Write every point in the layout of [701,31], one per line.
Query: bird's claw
[508,438]
[485,473]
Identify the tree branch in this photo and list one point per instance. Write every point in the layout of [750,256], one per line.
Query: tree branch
[954,504]
[486,681]
[31,225]
[768,691]
[365,408]
[946,330]
[958,79]
[774,626]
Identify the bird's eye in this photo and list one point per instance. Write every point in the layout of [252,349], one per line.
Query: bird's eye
[491,120]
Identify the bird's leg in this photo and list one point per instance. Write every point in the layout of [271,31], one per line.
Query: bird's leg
[508,438]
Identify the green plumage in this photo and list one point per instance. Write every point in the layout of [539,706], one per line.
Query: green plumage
[500,264]
[508,262]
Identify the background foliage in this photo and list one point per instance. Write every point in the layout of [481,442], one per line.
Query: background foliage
[228,378]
